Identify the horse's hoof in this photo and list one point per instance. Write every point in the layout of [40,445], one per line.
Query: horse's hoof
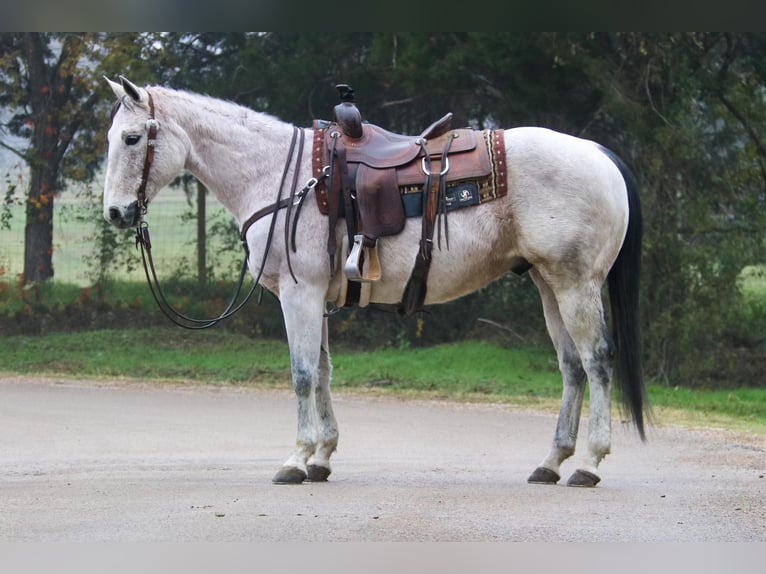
[318,473]
[289,475]
[543,475]
[583,478]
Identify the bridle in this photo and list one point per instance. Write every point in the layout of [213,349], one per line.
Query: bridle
[293,199]
[152,126]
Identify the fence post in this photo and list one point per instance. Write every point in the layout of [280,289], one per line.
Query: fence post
[201,235]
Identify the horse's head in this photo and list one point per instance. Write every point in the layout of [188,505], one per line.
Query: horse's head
[143,156]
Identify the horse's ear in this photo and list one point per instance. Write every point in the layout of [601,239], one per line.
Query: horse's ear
[118,90]
[138,95]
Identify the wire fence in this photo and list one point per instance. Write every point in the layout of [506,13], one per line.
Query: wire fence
[81,237]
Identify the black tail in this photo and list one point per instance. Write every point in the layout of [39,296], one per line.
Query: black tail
[623,282]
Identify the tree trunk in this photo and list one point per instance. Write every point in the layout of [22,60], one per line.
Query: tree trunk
[38,232]
[50,89]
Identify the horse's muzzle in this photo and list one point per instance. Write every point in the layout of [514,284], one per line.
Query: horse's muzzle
[124,217]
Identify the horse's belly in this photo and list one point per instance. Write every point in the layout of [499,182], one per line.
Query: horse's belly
[452,278]
[462,269]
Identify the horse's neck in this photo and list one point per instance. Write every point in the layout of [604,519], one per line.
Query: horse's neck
[238,153]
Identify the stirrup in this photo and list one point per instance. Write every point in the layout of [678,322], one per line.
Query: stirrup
[363,263]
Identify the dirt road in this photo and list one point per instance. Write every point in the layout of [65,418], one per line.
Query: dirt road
[132,462]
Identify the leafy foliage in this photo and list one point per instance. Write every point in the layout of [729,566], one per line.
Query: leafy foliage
[687,111]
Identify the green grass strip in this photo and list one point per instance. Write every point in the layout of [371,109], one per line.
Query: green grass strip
[471,370]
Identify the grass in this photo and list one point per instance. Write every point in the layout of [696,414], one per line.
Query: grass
[473,371]
[469,369]
[752,282]
[159,354]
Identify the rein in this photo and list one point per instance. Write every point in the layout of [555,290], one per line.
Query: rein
[144,241]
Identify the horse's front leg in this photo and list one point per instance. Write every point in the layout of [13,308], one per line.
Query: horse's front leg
[318,467]
[303,311]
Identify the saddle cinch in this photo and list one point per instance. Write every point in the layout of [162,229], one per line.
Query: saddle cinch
[375,179]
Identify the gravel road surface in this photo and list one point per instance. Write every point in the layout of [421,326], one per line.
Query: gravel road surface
[125,461]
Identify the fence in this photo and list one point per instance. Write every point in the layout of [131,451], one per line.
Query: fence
[79,235]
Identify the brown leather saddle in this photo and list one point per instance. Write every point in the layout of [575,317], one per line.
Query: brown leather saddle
[377,178]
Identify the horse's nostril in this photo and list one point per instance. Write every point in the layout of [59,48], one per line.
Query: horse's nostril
[115,214]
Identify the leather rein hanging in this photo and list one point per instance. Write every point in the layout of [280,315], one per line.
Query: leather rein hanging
[143,240]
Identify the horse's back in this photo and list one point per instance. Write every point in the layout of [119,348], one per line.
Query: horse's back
[565,212]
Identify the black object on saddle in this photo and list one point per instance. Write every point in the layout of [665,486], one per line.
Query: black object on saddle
[346,114]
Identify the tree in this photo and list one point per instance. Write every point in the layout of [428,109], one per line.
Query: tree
[695,107]
[686,110]
[51,84]
[51,108]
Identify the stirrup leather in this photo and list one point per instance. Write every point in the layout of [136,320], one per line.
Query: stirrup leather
[363,263]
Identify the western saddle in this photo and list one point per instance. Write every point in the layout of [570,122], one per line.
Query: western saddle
[375,179]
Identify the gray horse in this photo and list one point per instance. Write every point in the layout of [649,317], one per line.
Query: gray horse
[571,214]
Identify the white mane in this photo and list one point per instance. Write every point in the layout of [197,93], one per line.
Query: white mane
[212,117]
[231,147]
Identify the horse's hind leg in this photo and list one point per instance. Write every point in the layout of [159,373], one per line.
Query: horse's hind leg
[318,467]
[573,375]
[583,315]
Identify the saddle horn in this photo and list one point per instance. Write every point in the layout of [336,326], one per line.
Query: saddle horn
[346,114]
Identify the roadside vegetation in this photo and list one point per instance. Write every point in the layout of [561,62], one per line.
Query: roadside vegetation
[467,371]
[686,110]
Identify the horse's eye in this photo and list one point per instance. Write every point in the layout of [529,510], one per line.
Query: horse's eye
[132,139]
